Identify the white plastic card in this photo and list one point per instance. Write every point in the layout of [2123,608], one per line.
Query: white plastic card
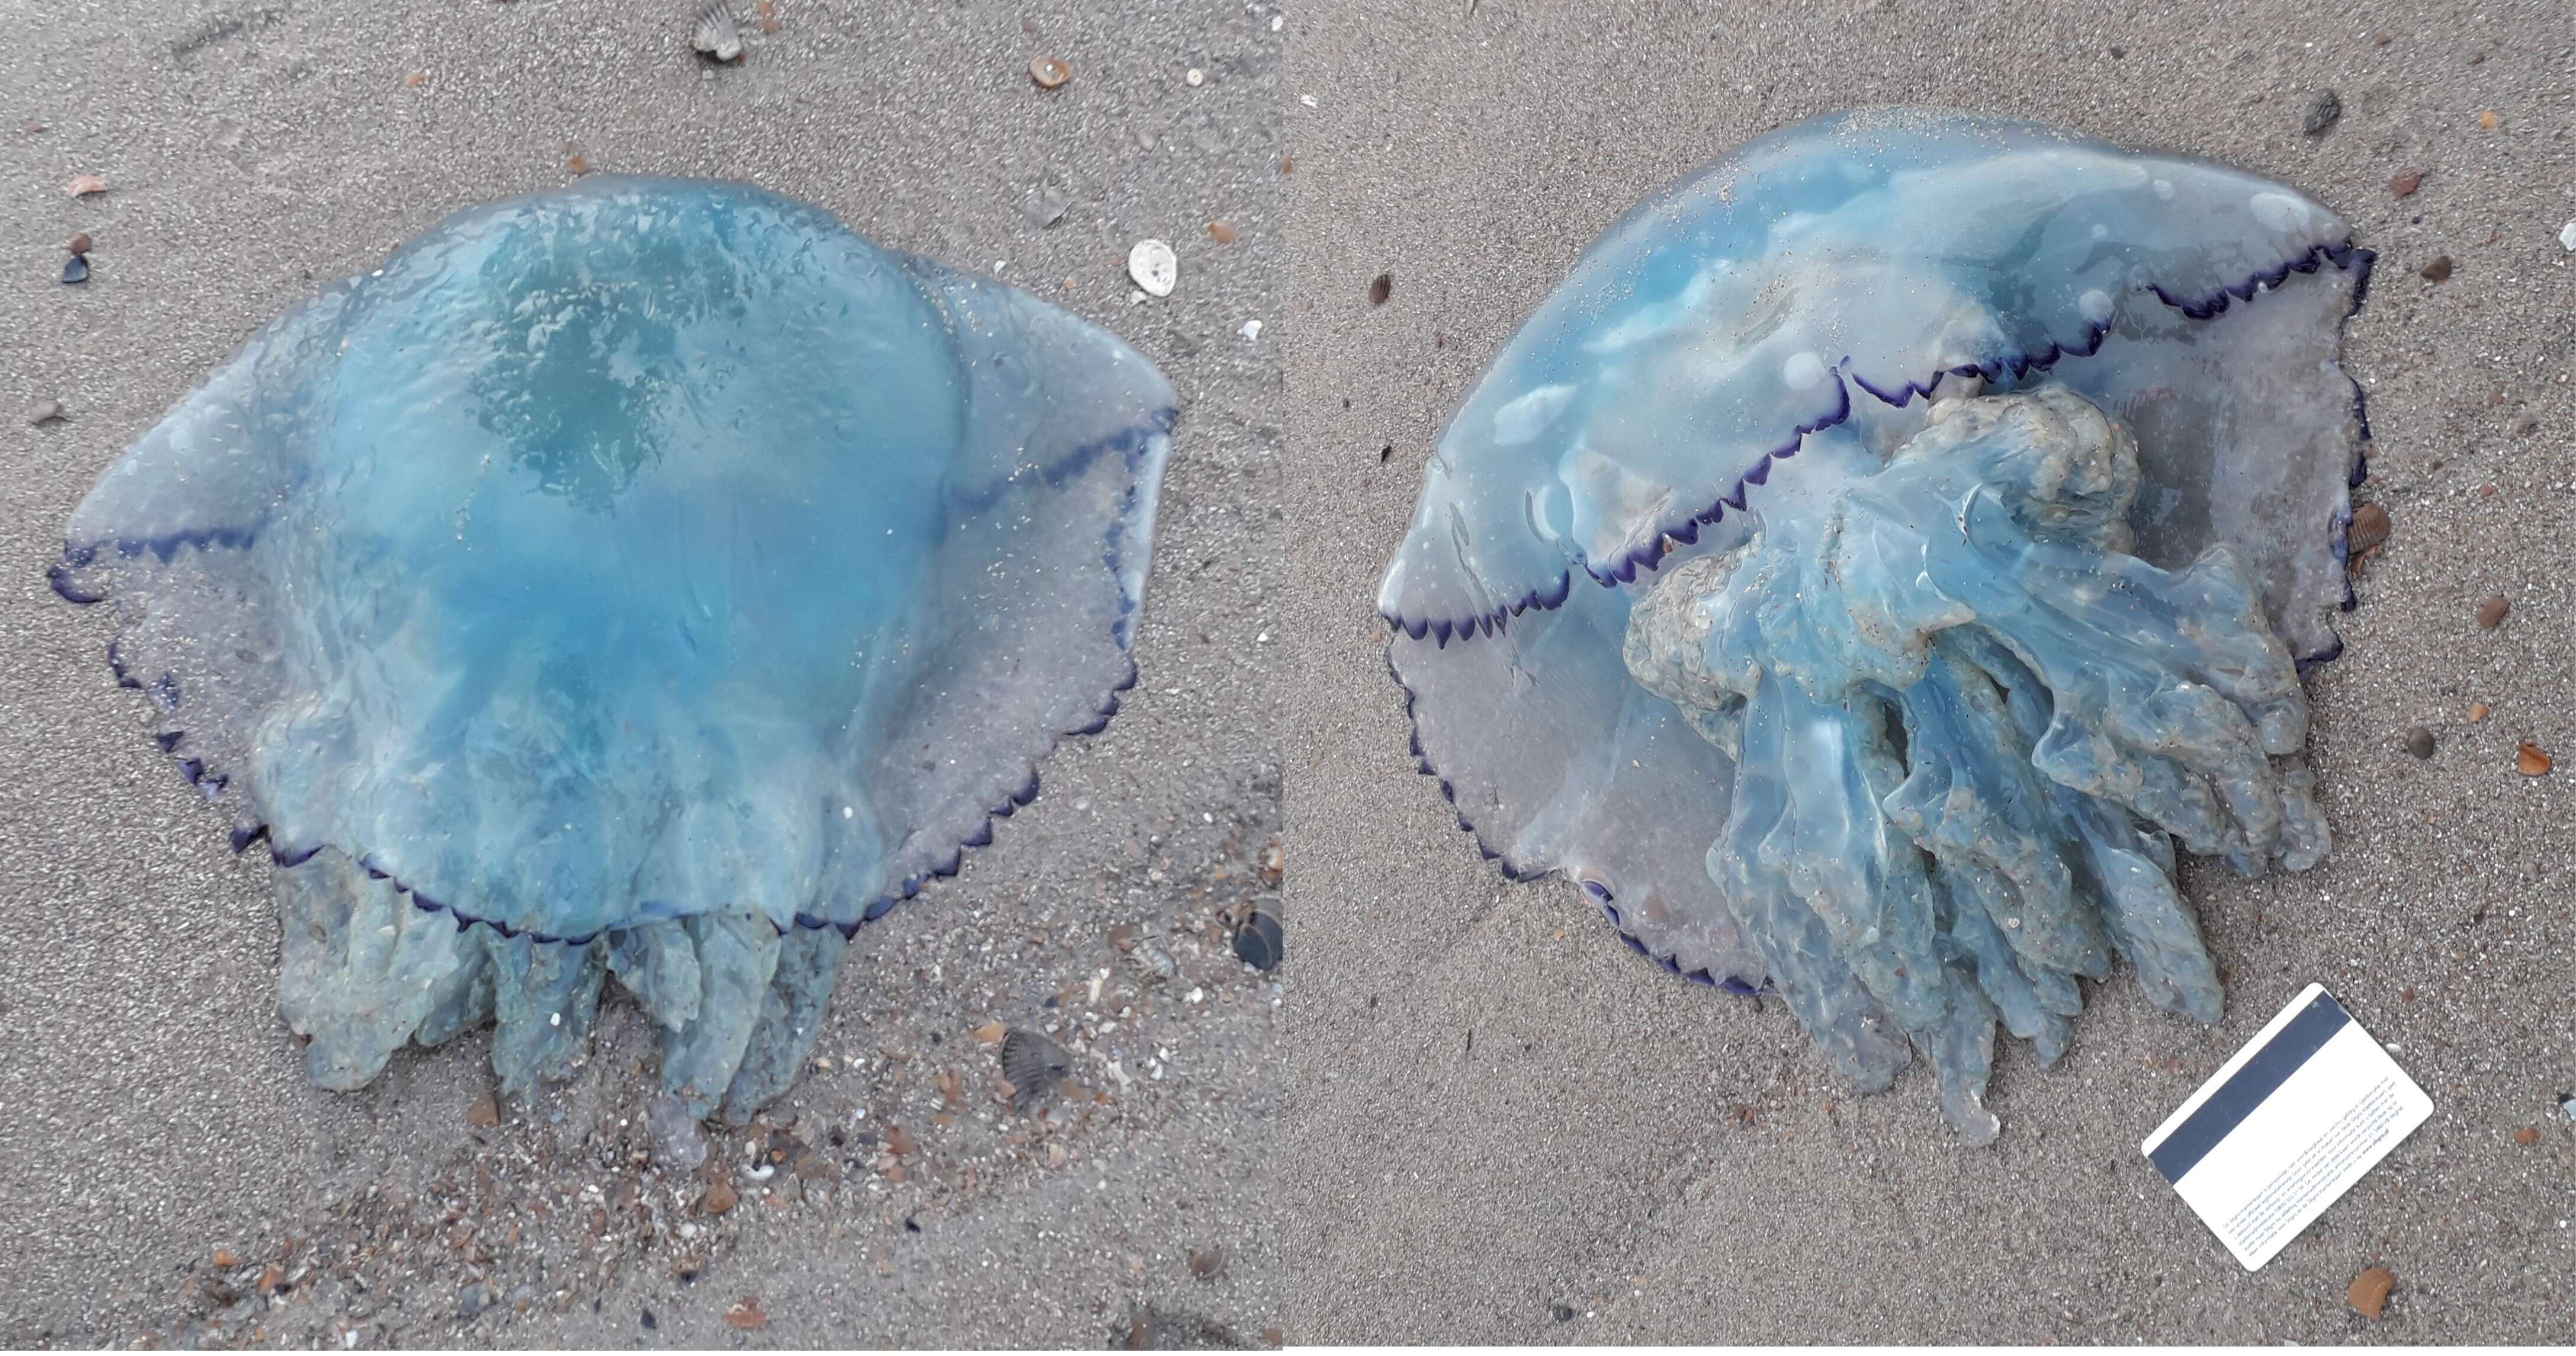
[2285,1128]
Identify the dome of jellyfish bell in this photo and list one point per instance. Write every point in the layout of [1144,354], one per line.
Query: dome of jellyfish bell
[1887,548]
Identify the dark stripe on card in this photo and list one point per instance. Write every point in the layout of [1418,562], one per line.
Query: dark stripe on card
[2249,1087]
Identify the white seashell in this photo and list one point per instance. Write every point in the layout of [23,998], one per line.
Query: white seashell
[715,35]
[1154,267]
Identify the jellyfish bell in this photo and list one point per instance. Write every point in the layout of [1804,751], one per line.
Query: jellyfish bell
[1739,551]
[648,579]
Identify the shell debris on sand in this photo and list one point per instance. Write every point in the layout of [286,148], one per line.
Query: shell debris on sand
[1154,266]
[715,35]
[1031,1064]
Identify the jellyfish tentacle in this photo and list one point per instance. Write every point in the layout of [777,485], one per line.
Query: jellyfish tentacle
[360,968]
[545,995]
[1973,800]
[2129,867]
[466,998]
[1962,1049]
[737,953]
[2062,704]
[791,1017]
[658,963]
[2170,692]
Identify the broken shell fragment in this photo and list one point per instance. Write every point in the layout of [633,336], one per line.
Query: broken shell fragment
[1049,72]
[715,35]
[1154,267]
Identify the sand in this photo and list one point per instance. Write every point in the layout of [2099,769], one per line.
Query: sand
[153,1110]
[1618,1156]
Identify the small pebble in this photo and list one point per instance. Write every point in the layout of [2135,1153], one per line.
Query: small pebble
[79,243]
[2491,612]
[2477,712]
[76,269]
[2369,528]
[1154,267]
[2368,1292]
[2439,270]
[1562,1313]
[718,1198]
[2526,1135]
[1045,205]
[650,1322]
[2530,761]
[1196,77]
[485,1112]
[2487,120]
[2406,182]
[1380,288]
[2419,742]
[2324,111]
[1251,329]
[1206,1265]
[1222,232]
[746,1313]
[2567,235]
[225,1259]
[1049,72]
[45,412]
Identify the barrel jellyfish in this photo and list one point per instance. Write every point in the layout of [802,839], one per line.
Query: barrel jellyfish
[1880,553]
[649,579]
